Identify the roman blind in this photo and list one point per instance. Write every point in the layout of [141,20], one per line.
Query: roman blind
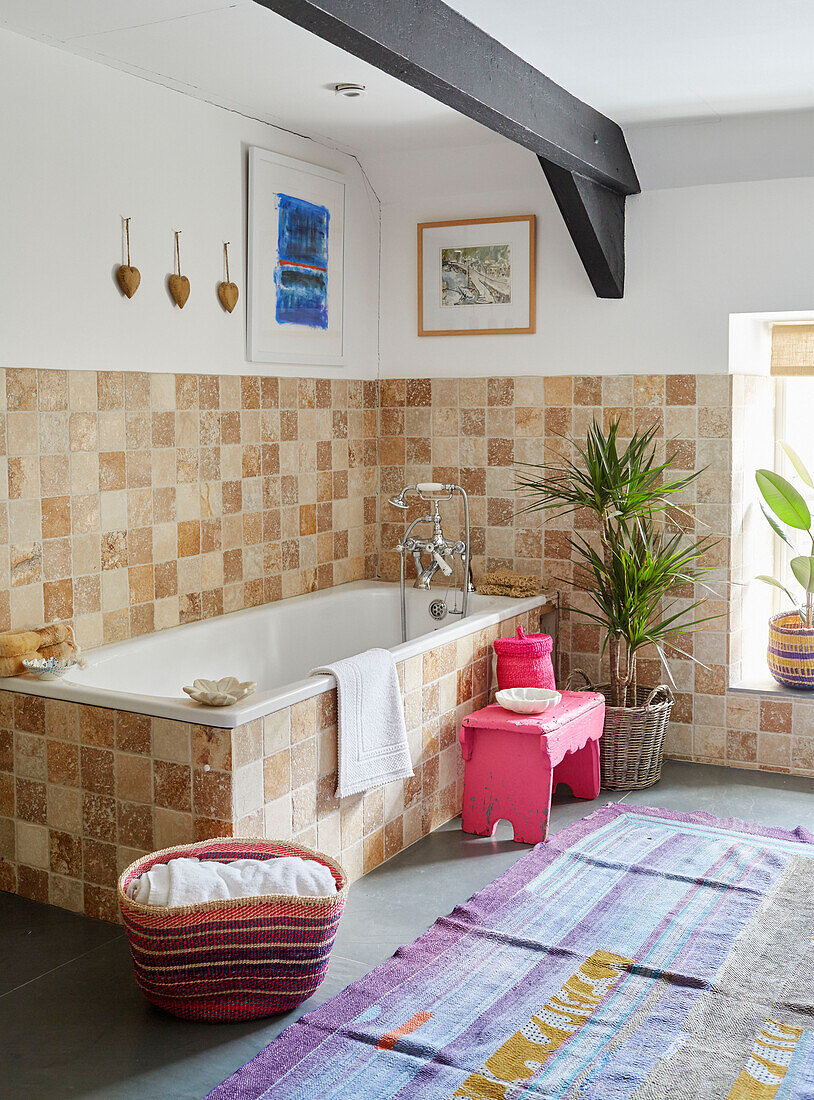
[793,351]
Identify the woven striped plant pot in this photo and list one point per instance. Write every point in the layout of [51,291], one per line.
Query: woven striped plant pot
[237,959]
[791,651]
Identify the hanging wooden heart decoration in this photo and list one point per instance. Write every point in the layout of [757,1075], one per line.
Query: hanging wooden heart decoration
[127,276]
[227,292]
[178,283]
[179,289]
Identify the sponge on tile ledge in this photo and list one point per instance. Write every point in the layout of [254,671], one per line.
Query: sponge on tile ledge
[19,645]
[55,634]
[18,642]
[13,666]
[506,582]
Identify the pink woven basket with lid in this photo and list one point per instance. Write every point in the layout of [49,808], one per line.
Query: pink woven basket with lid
[237,959]
[524,661]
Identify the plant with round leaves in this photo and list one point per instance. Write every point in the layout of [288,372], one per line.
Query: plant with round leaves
[785,507]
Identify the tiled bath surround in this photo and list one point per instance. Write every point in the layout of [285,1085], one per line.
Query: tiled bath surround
[138,501]
[84,791]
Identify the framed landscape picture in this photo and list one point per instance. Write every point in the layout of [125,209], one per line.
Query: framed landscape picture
[295,261]
[476,276]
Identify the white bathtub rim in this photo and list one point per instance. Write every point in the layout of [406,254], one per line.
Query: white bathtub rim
[183,709]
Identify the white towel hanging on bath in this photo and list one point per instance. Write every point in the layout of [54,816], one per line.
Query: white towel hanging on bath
[373,747]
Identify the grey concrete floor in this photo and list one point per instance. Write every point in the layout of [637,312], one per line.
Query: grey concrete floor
[73,1023]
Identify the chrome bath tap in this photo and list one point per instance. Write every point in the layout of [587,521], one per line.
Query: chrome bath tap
[436,548]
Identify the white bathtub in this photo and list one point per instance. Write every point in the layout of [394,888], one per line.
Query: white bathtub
[276,645]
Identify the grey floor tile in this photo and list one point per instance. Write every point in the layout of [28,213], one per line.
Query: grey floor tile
[36,938]
[779,800]
[85,1030]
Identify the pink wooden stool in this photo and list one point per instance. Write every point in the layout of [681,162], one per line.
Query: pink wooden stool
[513,762]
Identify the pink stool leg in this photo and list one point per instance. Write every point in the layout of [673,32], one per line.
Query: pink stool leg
[504,798]
[476,816]
[580,771]
[531,824]
[482,811]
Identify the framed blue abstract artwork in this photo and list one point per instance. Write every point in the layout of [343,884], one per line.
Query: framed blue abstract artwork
[296,261]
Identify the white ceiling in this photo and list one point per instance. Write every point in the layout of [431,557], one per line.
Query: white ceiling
[244,57]
[640,60]
[635,60]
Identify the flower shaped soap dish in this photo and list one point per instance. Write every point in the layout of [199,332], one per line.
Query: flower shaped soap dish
[51,668]
[220,693]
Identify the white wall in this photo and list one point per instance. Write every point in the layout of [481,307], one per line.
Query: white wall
[694,256]
[723,148]
[81,146]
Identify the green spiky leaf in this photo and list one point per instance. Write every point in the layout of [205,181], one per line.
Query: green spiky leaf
[798,464]
[784,500]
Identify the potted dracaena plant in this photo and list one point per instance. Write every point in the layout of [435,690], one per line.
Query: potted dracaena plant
[791,633]
[635,574]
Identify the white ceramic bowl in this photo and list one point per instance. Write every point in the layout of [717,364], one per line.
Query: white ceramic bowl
[528,700]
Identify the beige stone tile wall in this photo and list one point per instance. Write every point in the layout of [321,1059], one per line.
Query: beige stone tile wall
[138,501]
[84,791]
[474,430]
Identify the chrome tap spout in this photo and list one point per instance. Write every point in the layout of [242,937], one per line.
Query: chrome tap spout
[424,579]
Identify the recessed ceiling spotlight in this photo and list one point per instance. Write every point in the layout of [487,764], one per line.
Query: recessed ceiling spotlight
[350,91]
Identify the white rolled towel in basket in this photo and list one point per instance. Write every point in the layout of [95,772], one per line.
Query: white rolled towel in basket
[188,880]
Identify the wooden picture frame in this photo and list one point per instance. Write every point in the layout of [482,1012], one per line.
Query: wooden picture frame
[482,279]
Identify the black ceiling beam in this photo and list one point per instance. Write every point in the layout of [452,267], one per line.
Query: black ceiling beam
[595,217]
[430,46]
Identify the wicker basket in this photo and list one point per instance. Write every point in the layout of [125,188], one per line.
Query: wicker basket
[524,661]
[632,745]
[791,651]
[237,959]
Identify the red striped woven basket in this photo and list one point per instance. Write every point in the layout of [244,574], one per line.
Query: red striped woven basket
[237,959]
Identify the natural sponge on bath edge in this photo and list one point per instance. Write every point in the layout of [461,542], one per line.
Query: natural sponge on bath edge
[13,666]
[16,642]
[55,640]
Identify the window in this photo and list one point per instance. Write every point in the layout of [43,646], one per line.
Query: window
[794,424]
[792,367]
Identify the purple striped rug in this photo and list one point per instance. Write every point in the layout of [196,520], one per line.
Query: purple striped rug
[639,954]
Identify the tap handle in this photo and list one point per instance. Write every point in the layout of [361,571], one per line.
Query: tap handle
[445,568]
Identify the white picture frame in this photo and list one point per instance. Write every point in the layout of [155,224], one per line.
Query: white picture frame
[295,307]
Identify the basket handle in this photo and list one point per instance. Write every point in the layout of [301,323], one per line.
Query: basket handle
[588,684]
[662,689]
